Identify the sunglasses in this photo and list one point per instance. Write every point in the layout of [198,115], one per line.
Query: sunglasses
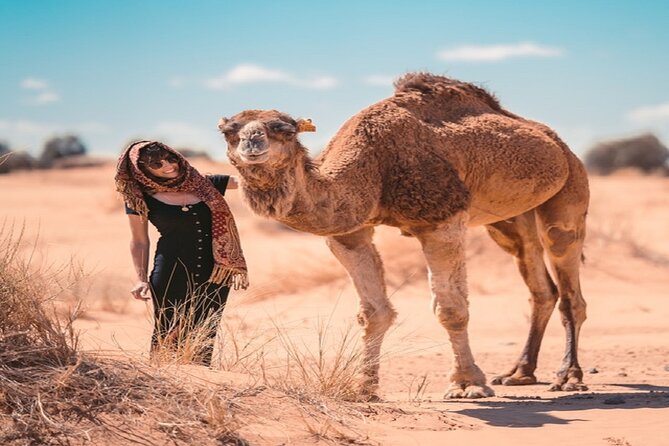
[158,163]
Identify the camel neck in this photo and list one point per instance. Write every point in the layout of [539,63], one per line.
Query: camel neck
[300,196]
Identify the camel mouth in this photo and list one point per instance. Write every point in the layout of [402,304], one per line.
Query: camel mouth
[255,158]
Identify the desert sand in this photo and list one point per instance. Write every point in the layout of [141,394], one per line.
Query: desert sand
[74,216]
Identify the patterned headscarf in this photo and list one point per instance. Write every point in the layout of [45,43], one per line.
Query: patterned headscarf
[230,266]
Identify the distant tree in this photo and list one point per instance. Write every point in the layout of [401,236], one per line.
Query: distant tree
[10,161]
[644,152]
[61,147]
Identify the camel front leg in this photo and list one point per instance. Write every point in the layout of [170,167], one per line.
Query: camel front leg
[359,256]
[445,255]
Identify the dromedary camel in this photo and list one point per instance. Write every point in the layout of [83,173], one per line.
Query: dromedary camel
[436,157]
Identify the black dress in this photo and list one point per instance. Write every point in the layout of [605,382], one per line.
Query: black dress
[182,264]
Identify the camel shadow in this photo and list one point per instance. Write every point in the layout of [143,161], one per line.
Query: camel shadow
[524,412]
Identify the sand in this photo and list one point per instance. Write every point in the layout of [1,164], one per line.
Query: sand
[73,216]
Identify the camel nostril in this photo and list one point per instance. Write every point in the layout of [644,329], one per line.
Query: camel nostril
[255,138]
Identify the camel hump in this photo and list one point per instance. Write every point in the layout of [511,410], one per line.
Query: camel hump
[434,85]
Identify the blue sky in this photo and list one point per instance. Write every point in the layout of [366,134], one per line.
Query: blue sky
[116,70]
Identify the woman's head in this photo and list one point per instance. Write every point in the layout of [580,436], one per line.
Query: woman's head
[158,162]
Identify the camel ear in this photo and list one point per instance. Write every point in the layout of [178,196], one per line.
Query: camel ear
[222,122]
[305,125]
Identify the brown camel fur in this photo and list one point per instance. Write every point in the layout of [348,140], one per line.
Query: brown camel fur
[436,157]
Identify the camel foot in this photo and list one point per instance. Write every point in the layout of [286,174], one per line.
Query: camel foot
[362,396]
[367,389]
[369,398]
[473,391]
[514,380]
[572,384]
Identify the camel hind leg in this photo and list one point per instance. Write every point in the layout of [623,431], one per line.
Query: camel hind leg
[356,252]
[561,224]
[518,236]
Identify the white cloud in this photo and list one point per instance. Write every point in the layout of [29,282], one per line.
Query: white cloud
[24,127]
[379,80]
[46,97]
[243,74]
[318,83]
[32,83]
[495,53]
[42,92]
[249,73]
[649,113]
[32,134]
[184,134]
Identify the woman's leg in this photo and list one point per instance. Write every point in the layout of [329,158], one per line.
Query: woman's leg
[163,322]
[209,303]
[168,301]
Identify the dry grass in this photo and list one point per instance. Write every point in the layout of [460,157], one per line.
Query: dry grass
[310,363]
[52,394]
[241,350]
[186,339]
[329,369]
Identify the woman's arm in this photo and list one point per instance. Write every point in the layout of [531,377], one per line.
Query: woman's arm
[139,250]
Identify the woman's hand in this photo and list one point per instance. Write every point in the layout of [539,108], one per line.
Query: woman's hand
[141,291]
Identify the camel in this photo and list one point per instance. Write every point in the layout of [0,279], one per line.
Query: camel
[438,156]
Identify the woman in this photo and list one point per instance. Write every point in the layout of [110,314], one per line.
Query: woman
[198,256]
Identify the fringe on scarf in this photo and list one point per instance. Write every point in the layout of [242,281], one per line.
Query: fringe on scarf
[134,202]
[233,278]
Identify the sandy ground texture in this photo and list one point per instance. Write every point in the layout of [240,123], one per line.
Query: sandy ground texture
[74,216]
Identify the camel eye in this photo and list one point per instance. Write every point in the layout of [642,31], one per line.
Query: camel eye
[230,129]
[281,127]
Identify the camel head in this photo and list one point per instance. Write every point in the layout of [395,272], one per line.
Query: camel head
[263,137]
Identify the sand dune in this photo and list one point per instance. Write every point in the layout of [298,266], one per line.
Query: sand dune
[75,216]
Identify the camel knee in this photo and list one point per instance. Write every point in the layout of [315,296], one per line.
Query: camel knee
[559,240]
[452,317]
[376,321]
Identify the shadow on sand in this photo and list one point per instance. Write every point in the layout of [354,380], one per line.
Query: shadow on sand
[527,412]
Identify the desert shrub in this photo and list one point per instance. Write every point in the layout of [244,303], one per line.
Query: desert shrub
[61,147]
[644,152]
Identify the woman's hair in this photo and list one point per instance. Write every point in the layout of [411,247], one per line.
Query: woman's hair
[152,153]
[152,156]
